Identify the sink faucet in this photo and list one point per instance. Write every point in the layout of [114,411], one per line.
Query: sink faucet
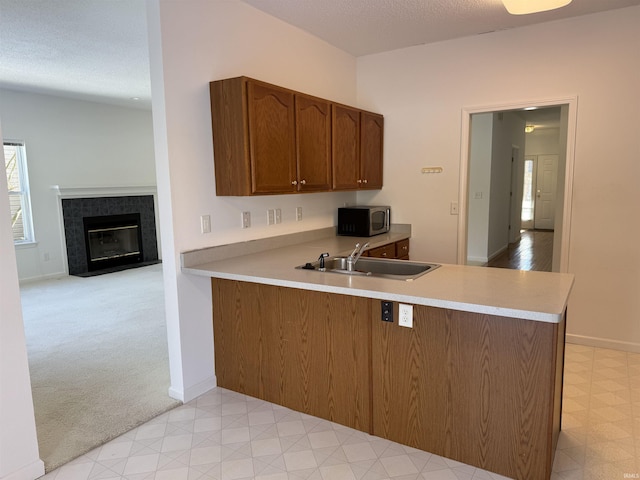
[355,255]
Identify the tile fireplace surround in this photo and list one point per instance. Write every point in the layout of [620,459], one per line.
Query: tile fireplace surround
[75,209]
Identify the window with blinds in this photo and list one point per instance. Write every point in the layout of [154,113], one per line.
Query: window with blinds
[15,161]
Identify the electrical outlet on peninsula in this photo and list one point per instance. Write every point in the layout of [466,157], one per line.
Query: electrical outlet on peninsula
[405,315]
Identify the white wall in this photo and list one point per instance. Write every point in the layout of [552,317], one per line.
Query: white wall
[499,218]
[19,458]
[480,149]
[422,90]
[543,141]
[72,143]
[193,42]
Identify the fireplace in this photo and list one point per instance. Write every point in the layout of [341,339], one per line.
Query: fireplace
[105,234]
[112,240]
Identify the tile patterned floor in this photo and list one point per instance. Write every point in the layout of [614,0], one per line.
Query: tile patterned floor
[223,435]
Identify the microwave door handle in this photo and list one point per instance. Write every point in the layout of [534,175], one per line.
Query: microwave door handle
[388,218]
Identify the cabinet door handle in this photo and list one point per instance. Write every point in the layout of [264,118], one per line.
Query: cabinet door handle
[359,181]
[303,182]
[384,254]
[364,181]
[295,182]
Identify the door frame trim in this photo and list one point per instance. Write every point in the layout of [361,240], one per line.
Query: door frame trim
[463,197]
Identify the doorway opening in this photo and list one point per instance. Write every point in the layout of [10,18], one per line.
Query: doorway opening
[512,181]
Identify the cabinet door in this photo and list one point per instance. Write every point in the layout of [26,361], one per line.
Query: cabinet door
[346,147]
[371,138]
[402,249]
[385,251]
[271,139]
[313,143]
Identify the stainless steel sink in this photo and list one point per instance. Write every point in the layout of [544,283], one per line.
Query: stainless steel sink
[374,267]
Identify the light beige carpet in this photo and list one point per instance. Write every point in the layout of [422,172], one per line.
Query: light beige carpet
[98,358]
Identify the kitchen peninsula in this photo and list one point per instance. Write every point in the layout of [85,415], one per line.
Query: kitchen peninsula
[477,379]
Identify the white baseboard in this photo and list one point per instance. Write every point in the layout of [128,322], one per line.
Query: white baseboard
[476,260]
[193,391]
[499,252]
[603,343]
[51,276]
[29,472]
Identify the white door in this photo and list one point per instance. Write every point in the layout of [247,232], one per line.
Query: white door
[528,192]
[546,183]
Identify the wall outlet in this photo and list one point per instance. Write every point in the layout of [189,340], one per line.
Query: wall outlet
[205,223]
[278,215]
[271,217]
[453,210]
[405,315]
[246,219]
[298,214]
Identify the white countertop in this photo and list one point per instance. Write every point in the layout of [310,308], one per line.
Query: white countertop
[540,296]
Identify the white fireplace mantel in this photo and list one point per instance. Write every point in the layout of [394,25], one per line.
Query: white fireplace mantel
[89,192]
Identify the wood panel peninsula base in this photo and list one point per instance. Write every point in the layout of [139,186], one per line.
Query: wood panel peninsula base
[480,389]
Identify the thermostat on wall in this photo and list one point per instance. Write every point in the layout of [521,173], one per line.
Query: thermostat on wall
[432,170]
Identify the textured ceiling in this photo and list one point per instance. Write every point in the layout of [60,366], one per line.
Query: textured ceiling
[90,49]
[97,49]
[363,27]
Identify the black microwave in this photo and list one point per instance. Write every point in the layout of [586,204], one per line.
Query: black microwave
[363,221]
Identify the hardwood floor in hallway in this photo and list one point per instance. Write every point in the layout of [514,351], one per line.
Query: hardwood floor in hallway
[534,251]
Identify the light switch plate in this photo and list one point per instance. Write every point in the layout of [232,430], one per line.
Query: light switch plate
[205,223]
[246,219]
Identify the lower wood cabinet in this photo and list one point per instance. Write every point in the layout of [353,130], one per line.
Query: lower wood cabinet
[480,389]
[483,390]
[398,250]
[309,351]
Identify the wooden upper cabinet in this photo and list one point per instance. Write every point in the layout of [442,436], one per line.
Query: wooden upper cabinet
[313,143]
[371,136]
[271,139]
[346,147]
[253,137]
[230,137]
[357,149]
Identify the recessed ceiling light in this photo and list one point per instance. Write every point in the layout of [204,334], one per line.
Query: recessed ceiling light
[523,7]
[531,108]
[529,128]
[135,99]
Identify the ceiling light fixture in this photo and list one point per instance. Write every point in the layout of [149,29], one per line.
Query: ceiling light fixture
[529,128]
[523,7]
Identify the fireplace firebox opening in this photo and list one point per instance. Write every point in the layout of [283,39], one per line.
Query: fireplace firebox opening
[112,240]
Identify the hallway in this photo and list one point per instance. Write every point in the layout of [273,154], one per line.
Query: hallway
[534,251]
